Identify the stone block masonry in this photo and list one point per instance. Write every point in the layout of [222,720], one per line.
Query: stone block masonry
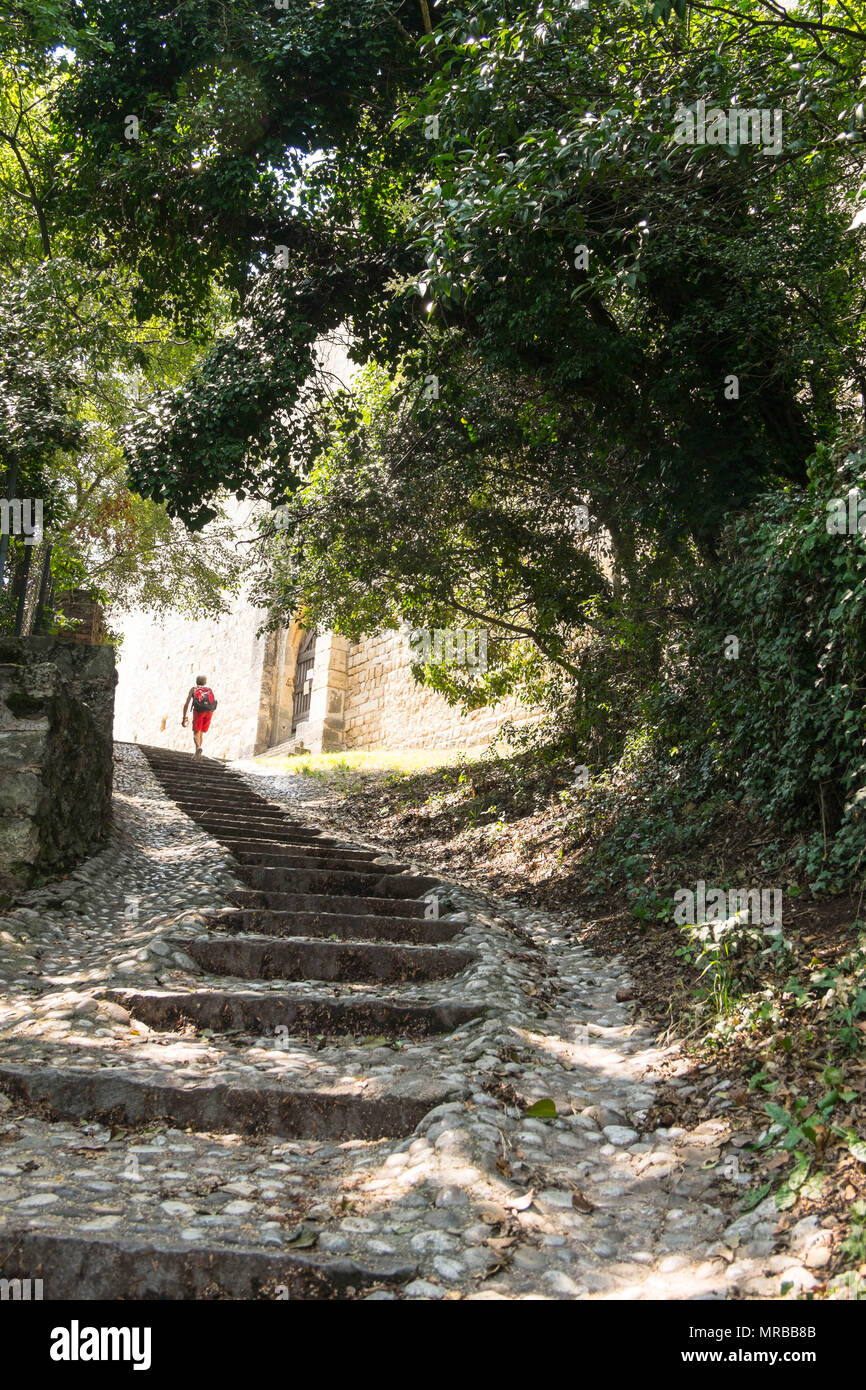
[56,713]
[385,708]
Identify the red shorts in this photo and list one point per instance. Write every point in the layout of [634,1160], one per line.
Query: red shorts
[201,722]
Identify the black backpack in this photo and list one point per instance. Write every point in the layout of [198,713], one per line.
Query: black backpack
[203,701]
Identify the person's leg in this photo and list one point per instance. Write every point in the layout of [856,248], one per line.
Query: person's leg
[204,725]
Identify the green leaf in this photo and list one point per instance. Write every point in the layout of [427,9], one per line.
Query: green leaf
[778,1115]
[799,1172]
[754,1198]
[542,1110]
[813,1187]
[303,1238]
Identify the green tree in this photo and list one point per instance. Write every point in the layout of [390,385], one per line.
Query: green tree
[73,361]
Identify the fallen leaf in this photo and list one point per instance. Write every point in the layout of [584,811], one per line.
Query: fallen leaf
[499,1243]
[543,1109]
[303,1238]
[522,1203]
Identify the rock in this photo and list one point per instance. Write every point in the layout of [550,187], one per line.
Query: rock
[558,1282]
[803,1231]
[603,1115]
[619,1135]
[451,1197]
[333,1242]
[432,1242]
[420,1288]
[358,1225]
[817,1257]
[528,1258]
[800,1279]
[556,1199]
[113,1011]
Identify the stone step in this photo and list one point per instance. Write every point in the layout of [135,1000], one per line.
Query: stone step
[349,926]
[194,776]
[241,827]
[225,801]
[317,862]
[266,816]
[356,962]
[171,759]
[224,794]
[251,899]
[79,1268]
[279,841]
[335,881]
[230,806]
[255,1012]
[272,852]
[195,783]
[280,838]
[112,1096]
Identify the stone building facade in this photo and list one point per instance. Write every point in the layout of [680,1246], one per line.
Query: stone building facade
[356,695]
[362,695]
[383,700]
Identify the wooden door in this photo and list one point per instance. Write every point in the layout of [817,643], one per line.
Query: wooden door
[303,679]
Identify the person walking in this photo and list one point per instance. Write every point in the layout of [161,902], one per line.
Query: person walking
[201,697]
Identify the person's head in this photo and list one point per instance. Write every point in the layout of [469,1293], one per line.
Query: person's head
[201,680]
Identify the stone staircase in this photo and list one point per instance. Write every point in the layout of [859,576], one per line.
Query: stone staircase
[313,911]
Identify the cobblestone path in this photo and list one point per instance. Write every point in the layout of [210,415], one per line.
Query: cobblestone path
[292,1080]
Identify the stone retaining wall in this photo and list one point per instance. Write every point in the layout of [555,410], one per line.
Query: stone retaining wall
[56,714]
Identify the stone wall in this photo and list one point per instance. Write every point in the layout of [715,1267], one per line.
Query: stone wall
[363,694]
[385,708]
[159,660]
[80,608]
[56,712]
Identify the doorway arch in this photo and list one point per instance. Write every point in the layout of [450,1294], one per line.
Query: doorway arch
[302,685]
